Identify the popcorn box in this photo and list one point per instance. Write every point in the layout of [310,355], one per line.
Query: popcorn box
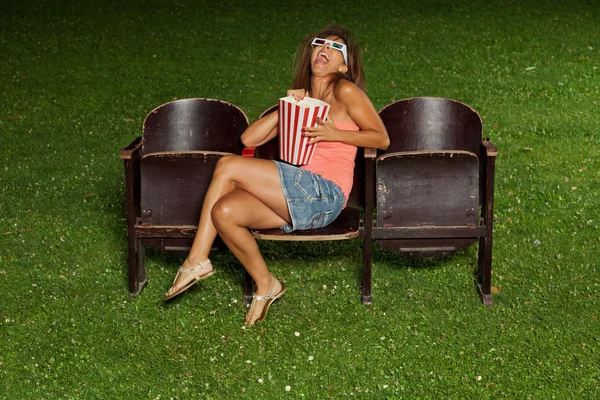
[293,116]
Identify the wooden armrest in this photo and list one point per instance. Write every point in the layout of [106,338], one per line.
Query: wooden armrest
[132,148]
[370,152]
[248,151]
[490,149]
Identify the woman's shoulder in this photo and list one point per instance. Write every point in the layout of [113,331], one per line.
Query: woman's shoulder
[346,91]
[345,87]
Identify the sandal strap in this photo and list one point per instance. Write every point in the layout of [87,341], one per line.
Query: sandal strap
[267,296]
[256,298]
[199,267]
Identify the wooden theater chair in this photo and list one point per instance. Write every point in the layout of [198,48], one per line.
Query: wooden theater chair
[168,170]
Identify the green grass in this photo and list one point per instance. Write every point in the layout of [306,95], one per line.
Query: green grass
[76,82]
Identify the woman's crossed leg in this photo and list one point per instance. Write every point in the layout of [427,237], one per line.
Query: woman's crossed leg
[244,193]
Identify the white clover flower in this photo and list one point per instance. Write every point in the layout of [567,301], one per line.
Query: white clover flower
[260,380]
[297,333]
[310,358]
[288,388]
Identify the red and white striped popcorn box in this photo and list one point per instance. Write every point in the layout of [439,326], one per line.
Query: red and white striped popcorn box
[293,116]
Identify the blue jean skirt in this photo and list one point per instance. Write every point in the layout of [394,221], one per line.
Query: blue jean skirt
[313,201]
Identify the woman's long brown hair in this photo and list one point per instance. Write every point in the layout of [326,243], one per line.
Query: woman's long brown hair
[302,69]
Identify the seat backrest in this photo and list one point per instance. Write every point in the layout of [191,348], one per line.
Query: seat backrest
[429,176]
[431,123]
[270,151]
[181,144]
[194,124]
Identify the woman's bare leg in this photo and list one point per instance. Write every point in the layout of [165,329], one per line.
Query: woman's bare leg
[232,216]
[257,177]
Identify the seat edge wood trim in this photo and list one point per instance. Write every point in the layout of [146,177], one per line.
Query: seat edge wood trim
[183,153]
[432,232]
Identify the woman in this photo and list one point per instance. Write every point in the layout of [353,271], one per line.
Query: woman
[250,193]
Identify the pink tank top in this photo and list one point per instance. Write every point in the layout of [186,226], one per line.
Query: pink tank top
[334,161]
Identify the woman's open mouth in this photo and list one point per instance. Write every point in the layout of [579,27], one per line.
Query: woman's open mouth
[322,58]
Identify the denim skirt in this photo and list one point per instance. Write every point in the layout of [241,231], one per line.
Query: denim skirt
[313,201]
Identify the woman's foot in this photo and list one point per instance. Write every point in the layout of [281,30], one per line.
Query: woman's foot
[187,276]
[261,303]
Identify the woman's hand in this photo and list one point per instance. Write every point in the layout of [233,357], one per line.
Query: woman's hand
[297,94]
[323,131]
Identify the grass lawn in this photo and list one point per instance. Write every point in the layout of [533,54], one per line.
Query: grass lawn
[78,78]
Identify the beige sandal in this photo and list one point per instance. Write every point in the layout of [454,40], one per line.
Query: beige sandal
[195,280]
[270,298]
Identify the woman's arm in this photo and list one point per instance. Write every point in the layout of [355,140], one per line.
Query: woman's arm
[261,131]
[265,129]
[360,109]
